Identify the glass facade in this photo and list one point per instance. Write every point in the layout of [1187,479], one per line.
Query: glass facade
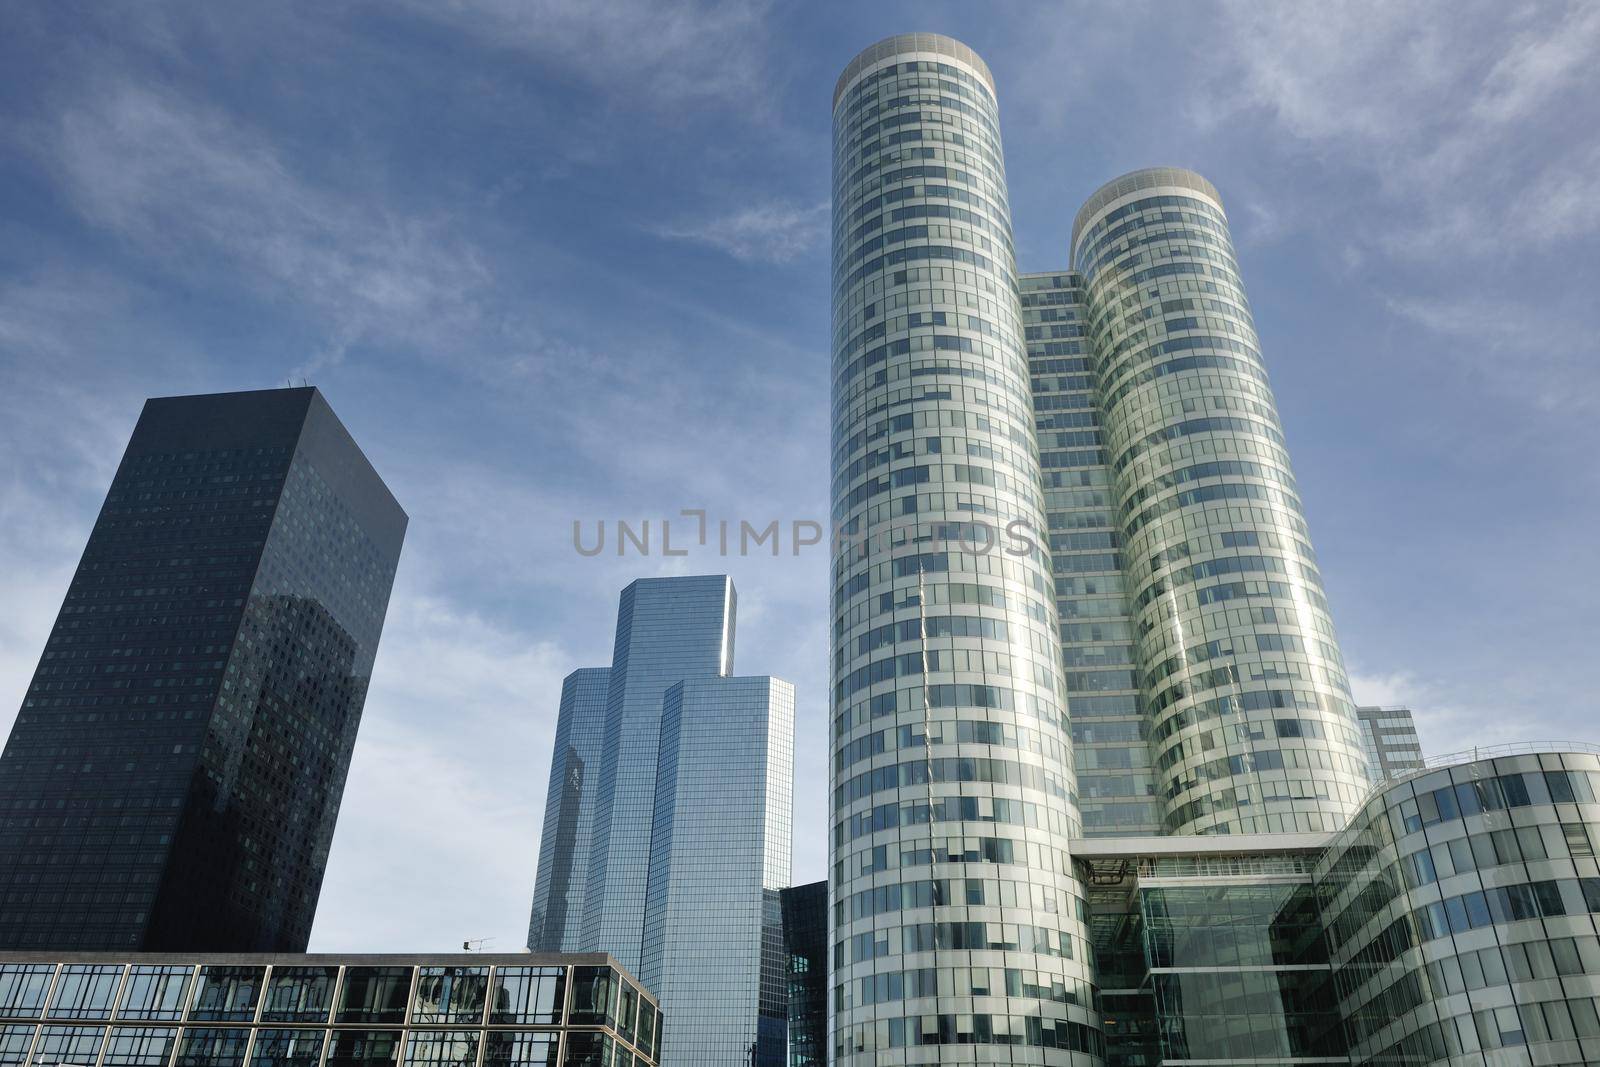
[174,775]
[556,924]
[668,630]
[1110,734]
[957,922]
[1250,723]
[712,759]
[1462,906]
[805,943]
[719,856]
[1390,737]
[325,1011]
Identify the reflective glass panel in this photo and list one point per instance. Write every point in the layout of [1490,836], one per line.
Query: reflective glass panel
[592,997]
[212,1046]
[67,1044]
[514,1048]
[528,995]
[647,1024]
[23,987]
[299,994]
[364,1048]
[155,992]
[374,995]
[442,1048]
[227,994]
[450,995]
[287,1048]
[588,1049]
[84,991]
[14,1042]
[140,1046]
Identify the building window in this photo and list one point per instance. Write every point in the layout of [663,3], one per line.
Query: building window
[374,995]
[450,995]
[286,1048]
[155,992]
[227,994]
[528,995]
[23,987]
[299,995]
[212,1046]
[364,1048]
[84,991]
[140,1046]
[442,1048]
[512,1048]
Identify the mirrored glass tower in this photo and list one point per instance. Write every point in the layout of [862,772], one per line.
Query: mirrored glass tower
[174,775]
[955,914]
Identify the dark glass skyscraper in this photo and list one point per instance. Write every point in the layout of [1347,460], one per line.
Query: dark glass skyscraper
[805,942]
[174,775]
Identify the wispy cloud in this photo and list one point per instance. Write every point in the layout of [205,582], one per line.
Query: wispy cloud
[658,53]
[191,185]
[1436,106]
[776,232]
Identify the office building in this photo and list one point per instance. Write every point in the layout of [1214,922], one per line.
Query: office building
[1390,737]
[953,800]
[1175,673]
[174,775]
[719,857]
[805,943]
[668,630]
[676,852]
[234,1010]
[557,920]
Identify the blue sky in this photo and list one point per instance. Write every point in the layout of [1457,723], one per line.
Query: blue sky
[559,260]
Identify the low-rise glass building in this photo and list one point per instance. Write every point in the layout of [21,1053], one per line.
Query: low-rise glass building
[1455,920]
[459,1010]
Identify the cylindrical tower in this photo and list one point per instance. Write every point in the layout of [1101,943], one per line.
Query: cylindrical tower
[956,920]
[1251,724]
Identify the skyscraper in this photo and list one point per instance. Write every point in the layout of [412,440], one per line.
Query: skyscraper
[677,851]
[1390,736]
[557,919]
[805,940]
[1178,614]
[952,760]
[719,857]
[668,630]
[174,775]
[1250,722]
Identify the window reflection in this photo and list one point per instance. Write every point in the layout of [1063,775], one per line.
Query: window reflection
[23,987]
[68,1044]
[442,1048]
[593,997]
[450,995]
[227,994]
[14,1043]
[212,1046]
[84,991]
[299,994]
[140,1046]
[286,1048]
[588,1050]
[511,1048]
[528,995]
[364,1048]
[155,992]
[374,995]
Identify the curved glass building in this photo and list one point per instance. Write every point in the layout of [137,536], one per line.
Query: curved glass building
[1249,720]
[956,918]
[1461,909]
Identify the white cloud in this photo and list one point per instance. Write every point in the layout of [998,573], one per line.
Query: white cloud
[659,53]
[771,233]
[439,831]
[187,184]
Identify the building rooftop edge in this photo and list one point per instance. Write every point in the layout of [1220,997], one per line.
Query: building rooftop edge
[901,43]
[1134,180]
